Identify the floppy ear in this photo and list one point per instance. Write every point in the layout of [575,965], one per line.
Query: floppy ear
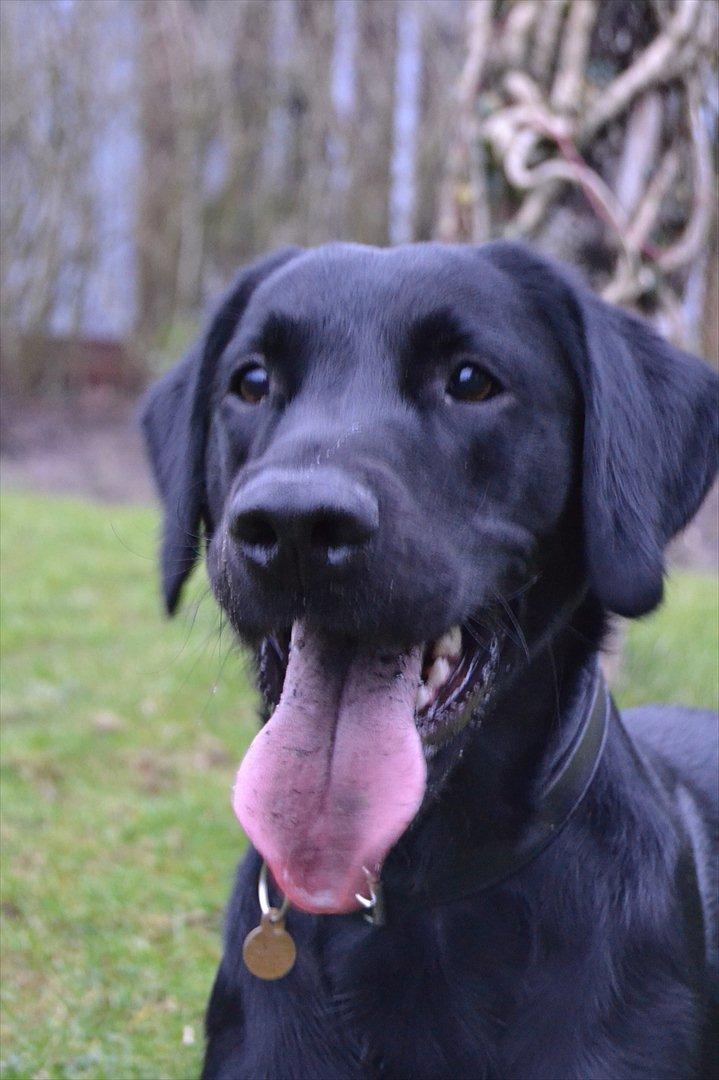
[175,422]
[651,432]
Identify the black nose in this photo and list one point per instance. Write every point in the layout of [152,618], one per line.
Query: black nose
[320,516]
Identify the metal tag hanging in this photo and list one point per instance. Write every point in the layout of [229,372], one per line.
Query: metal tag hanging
[269,951]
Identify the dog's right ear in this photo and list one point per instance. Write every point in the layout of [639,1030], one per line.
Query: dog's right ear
[175,422]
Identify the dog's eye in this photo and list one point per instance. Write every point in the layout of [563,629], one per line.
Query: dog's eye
[251,383]
[469,382]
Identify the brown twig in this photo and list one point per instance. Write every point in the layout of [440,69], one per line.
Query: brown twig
[695,233]
[546,34]
[649,68]
[567,92]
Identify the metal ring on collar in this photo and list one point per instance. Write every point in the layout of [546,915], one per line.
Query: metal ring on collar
[263,894]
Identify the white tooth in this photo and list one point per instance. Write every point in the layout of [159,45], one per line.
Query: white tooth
[424,696]
[450,644]
[438,673]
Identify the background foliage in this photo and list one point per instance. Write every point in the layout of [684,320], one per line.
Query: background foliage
[151,147]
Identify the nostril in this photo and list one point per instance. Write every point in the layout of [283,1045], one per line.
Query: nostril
[254,528]
[332,530]
[324,532]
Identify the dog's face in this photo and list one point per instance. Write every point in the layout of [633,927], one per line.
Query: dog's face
[387,449]
[390,446]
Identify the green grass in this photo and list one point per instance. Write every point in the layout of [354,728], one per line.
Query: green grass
[122,734]
[673,655]
[121,738]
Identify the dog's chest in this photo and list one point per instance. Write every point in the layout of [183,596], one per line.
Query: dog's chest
[477,994]
[410,1014]
[425,998]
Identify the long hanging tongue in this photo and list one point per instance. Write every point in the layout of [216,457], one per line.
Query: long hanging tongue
[336,775]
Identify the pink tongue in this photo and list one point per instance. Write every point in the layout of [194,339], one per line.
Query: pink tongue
[334,778]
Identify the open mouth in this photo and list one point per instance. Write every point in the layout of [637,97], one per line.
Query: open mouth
[457,669]
[339,771]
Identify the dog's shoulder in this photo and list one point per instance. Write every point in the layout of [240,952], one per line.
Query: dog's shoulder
[682,748]
[686,741]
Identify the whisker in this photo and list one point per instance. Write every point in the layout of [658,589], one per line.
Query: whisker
[530,583]
[515,623]
[473,633]
[493,622]
[139,554]
[556,682]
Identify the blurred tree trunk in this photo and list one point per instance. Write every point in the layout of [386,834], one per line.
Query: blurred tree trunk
[343,80]
[407,87]
[157,225]
[443,39]
[252,166]
[369,210]
[313,120]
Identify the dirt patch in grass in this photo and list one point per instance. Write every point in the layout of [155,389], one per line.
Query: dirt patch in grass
[89,446]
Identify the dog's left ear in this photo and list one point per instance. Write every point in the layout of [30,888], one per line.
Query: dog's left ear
[175,420]
[651,431]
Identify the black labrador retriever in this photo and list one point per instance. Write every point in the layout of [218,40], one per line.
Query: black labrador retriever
[424,477]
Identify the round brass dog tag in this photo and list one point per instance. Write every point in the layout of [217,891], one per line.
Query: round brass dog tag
[269,952]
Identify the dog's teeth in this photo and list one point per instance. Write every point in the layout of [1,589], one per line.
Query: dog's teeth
[450,644]
[424,696]
[438,673]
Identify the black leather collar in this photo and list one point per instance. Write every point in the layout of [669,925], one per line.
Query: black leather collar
[563,793]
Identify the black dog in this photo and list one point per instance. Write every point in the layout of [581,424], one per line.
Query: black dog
[434,470]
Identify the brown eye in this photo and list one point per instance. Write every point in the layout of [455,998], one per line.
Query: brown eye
[469,382]
[251,383]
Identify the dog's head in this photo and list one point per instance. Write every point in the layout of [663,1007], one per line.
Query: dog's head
[384,450]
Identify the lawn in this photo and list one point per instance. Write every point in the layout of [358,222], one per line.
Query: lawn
[121,737]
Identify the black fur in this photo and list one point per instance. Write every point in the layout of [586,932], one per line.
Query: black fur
[556,498]
[175,421]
